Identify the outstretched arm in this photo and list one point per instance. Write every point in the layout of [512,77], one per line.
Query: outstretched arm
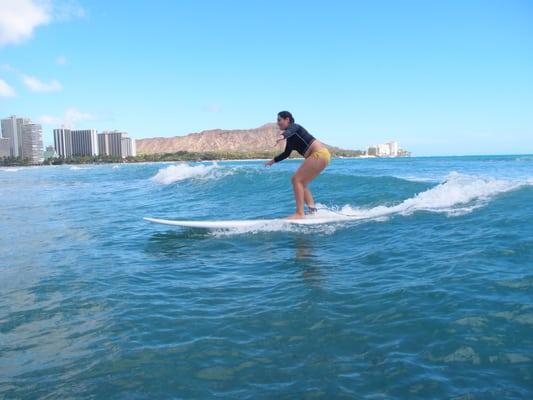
[281,156]
[284,155]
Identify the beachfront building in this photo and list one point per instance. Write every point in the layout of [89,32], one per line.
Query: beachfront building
[84,142]
[63,142]
[383,150]
[12,130]
[4,147]
[128,147]
[22,138]
[372,151]
[103,144]
[116,144]
[389,149]
[32,143]
[393,149]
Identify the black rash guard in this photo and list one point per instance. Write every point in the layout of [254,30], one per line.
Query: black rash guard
[297,139]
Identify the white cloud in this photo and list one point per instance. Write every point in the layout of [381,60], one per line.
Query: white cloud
[33,83]
[5,89]
[36,85]
[61,60]
[69,119]
[19,18]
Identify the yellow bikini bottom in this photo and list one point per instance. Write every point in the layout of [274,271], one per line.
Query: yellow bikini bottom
[323,152]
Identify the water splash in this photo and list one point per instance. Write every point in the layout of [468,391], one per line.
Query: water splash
[184,171]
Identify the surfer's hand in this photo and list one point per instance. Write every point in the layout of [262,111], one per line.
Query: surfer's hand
[268,164]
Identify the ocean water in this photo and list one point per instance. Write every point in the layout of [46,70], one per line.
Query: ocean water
[426,294]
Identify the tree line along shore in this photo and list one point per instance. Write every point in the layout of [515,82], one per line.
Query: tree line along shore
[177,156]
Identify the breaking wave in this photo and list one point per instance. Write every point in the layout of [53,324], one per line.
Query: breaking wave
[457,195]
[184,171]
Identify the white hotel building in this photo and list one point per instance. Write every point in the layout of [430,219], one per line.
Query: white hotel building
[63,142]
[88,142]
[389,149]
[116,144]
[21,138]
[32,143]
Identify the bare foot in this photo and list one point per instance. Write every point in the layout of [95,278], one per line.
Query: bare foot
[295,216]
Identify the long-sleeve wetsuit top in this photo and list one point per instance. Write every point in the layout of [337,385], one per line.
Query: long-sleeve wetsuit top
[297,139]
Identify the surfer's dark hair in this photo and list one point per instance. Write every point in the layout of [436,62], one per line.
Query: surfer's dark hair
[286,114]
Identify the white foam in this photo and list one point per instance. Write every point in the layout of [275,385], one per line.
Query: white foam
[10,169]
[457,195]
[276,226]
[183,171]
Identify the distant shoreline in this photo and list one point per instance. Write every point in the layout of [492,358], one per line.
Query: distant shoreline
[183,156]
[69,162]
[8,166]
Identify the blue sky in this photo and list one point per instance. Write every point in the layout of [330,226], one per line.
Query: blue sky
[441,77]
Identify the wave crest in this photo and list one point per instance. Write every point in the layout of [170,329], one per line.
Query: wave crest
[184,171]
[458,194]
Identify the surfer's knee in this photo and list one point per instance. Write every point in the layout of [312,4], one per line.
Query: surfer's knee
[296,180]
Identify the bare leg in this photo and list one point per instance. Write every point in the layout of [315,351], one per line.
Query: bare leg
[308,197]
[309,169]
[299,195]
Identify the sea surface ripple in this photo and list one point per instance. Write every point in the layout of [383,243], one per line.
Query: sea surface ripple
[426,294]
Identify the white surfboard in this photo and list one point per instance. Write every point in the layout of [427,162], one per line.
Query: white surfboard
[228,224]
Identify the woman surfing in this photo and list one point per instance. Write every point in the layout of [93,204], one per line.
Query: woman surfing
[316,156]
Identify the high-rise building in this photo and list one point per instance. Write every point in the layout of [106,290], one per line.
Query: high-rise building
[383,150]
[393,149]
[133,147]
[84,142]
[103,144]
[63,142]
[4,148]
[389,149]
[12,129]
[24,138]
[116,144]
[128,147]
[32,143]
[372,151]
[70,143]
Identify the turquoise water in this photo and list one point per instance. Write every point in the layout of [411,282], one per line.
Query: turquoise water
[427,293]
